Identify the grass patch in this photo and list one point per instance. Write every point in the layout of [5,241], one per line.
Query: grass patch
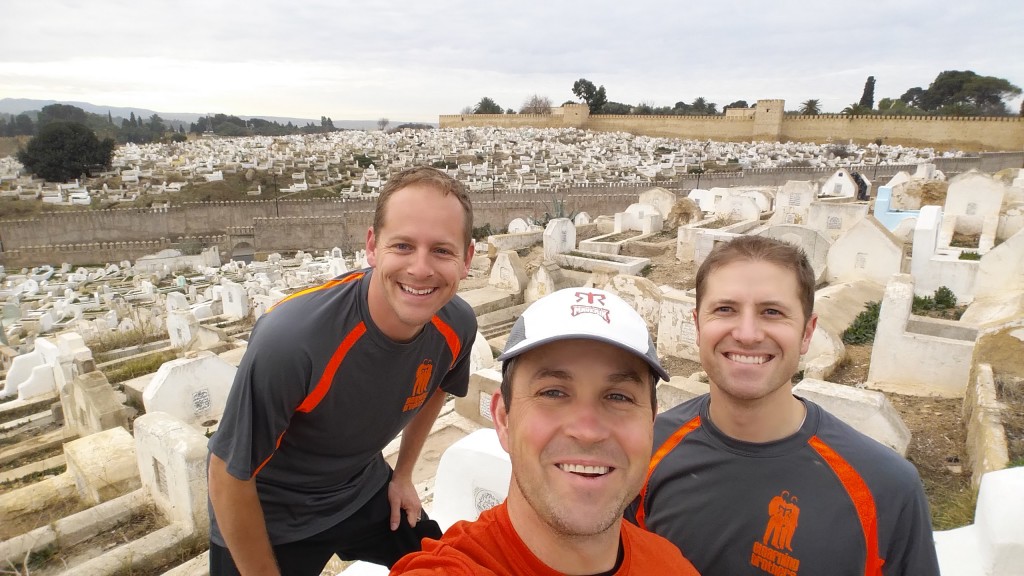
[953,507]
[970,256]
[136,367]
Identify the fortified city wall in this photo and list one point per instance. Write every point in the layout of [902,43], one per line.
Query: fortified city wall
[769,122]
[263,226]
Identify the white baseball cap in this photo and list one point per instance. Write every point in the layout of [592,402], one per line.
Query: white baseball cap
[587,313]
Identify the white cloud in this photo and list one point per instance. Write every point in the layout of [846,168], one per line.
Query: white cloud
[415,60]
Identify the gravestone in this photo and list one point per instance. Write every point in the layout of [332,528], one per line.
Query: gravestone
[235,299]
[677,333]
[661,199]
[814,244]
[194,390]
[508,273]
[559,237]
[581,219]
[793,201]
[518,226]
[867,251]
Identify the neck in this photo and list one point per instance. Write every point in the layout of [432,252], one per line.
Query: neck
[563,553]
[761,420]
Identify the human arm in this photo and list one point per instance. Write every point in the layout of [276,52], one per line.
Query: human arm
[240,519]
[401,491]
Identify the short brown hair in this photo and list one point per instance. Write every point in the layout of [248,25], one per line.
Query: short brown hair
[430,177]
[762,249]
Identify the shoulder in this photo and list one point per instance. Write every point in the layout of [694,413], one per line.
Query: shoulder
[648,551]
[437,558]
[669,421]
[879,465]
[458,311]
[458,316]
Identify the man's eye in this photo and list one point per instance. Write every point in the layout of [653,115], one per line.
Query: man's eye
[552,394]
[772,312]
[723,309]
[619,397]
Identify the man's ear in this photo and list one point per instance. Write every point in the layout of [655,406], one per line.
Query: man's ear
[696,325]
[500,418]
[371,247]
[805,344]
[470,251]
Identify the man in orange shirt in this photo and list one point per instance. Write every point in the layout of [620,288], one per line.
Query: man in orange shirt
[575,412]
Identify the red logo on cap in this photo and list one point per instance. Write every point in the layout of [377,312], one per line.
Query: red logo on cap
[593,306]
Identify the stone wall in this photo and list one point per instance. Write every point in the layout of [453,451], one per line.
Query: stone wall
[769,123]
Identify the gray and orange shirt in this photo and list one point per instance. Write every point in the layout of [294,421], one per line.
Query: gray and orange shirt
[826,500]
[320,392]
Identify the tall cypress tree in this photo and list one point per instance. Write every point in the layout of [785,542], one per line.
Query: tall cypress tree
[867,99]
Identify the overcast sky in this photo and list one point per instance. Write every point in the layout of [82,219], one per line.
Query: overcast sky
[411,61]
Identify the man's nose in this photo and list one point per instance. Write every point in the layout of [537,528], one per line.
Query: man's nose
[748,328]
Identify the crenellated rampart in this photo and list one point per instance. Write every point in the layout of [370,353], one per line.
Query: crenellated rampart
[768,122]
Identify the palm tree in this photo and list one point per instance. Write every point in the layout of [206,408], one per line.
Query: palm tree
[857,109]
[811,107]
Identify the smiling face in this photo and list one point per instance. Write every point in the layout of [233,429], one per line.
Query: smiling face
[751,332]
[419,256]
[578,431]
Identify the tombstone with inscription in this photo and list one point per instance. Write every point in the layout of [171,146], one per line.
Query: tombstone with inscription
[643,218]
[867,251]
[235,299]
[508,273]
[793,201]
[194,390]
[559,237]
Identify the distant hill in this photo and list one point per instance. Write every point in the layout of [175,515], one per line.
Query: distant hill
[18,105]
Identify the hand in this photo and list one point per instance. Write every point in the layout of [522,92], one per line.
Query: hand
[402,496]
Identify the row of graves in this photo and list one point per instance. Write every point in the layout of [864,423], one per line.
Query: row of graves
[83,459]
[356,163]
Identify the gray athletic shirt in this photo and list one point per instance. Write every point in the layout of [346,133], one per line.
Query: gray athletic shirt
[319,379]
[800,506]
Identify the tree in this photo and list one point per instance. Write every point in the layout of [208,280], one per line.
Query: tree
[736,104]
[810,107]
[382,124]
[592,96]
[856,109]
[867,99]
[64,150]
[536,105]
[60,113]
[23,125]
[487,106]
[616,108]
[960,92]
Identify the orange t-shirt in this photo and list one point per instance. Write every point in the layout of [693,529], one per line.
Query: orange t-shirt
[491,546]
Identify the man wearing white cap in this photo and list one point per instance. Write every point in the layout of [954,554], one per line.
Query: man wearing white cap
[575,412]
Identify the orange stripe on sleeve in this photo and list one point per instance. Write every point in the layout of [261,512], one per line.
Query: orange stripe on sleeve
[324,383]
[450,336]
[862,499]
[667,446]
[265,462]
[324,286]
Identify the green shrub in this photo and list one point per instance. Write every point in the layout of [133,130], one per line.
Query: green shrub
[944,298]
[970,256]
[864,325]
[922,304]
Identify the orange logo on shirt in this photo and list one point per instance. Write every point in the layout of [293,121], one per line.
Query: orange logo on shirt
[769,554]
[419,387]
